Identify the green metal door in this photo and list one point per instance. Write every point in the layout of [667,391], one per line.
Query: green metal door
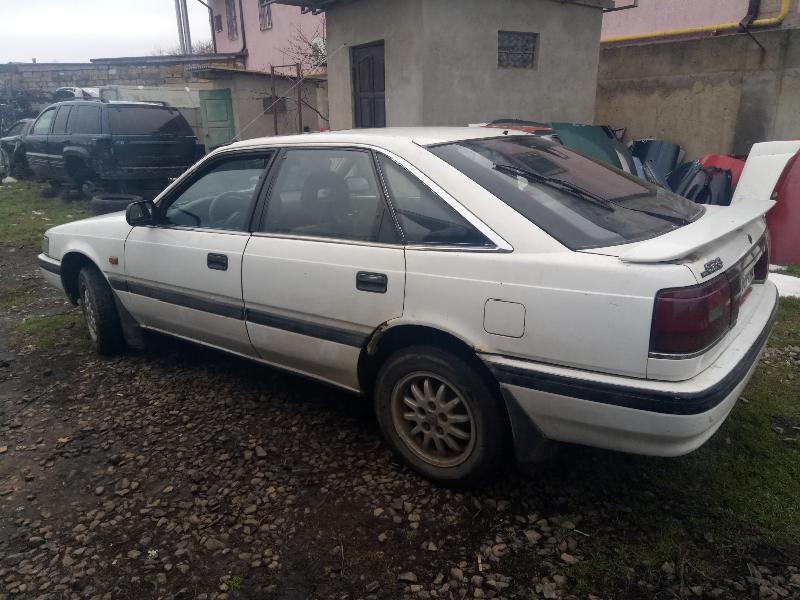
[216,110]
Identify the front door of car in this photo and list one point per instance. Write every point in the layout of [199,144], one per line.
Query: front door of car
[36,144]
[325,266]
[57,140]
[184,274]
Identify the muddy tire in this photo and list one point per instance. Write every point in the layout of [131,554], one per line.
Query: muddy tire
[100,311]
[441,415]
[108,203]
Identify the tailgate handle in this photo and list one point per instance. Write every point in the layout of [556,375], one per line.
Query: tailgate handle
[371,282]
[217,262]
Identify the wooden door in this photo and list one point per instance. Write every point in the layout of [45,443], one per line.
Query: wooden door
[369,98]
[216,111]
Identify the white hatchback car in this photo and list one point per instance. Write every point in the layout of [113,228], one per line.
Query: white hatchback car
[489,291]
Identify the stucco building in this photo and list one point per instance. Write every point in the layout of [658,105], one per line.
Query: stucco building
[452,62]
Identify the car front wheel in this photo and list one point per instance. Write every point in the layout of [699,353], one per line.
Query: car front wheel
[440,415]
[100,312]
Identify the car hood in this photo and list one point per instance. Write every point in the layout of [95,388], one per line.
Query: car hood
[109,226]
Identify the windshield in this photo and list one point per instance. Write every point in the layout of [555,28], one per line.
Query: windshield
[579,201]
[147,120]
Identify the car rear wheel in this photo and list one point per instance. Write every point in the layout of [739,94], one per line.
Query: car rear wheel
[440,415]
[100,311]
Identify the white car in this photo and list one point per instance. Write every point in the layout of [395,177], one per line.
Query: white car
[491,292]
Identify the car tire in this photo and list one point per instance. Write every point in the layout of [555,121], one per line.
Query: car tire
[100,311]
[466,416]
[108,203]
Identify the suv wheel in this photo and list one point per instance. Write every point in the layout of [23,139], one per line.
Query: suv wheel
[100,312]
[440,415]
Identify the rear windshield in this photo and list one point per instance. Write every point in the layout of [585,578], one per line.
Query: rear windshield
[147,120]
[580,202]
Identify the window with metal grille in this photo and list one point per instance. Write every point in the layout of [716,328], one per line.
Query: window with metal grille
[230,16]
[271,106]
[264,14]
[516,49]
[218,23]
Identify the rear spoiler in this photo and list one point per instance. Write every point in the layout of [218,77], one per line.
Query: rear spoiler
[718,222]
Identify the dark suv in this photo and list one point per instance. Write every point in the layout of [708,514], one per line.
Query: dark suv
[116,145]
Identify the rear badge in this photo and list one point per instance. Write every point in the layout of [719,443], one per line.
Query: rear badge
[711,266]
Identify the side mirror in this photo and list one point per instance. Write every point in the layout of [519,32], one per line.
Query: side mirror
[141,213]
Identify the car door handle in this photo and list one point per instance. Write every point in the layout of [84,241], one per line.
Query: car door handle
[371,282]
[217,262]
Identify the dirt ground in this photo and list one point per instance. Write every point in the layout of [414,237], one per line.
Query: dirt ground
[180,472]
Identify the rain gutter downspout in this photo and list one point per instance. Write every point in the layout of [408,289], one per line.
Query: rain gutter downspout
[768,22]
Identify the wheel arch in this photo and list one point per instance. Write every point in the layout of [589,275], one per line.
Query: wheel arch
[389,338]
[71,265]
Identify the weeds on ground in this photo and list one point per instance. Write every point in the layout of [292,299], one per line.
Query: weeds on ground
[25,215]
[67,330]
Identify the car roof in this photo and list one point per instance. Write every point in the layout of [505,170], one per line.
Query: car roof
[98,102]
[388,136]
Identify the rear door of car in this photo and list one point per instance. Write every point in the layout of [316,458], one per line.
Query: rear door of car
[183,275]
[36,143]
[150,136]
[325,266]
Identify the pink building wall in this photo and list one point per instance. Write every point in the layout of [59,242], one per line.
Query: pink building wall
[267,47]
[652,16]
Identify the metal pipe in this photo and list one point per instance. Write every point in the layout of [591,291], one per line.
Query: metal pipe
[274,98]
[186,29]
[179,17]
[769,22]
[299,98]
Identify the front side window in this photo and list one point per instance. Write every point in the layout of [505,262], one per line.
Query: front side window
[60,125]
[147,120]
[230,17]
[331,194]
[221,197]
[42,125]
[580,202]
[85,120]
[424,217]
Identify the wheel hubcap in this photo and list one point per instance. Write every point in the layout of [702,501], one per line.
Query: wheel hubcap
[433,420]
[88,312]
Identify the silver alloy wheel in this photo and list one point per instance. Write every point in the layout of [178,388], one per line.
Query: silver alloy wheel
[88,313]
[433,420]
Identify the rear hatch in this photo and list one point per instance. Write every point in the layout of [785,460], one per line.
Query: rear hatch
[151,136]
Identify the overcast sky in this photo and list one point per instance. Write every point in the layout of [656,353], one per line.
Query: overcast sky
[77,30]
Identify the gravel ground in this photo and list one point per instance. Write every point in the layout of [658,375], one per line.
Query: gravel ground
[185,473]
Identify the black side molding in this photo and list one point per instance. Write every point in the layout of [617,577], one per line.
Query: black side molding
[630,397]
[324,332]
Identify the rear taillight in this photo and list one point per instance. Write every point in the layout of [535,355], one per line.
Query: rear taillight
[688,320]
[761,269]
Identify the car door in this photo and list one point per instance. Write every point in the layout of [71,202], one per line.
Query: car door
[36,143]
[325,266]
[183,274]
[56,141]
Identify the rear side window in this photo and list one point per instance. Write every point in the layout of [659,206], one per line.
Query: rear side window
[42,125]
[85,119]
[331,194]
[147,120]
[424,217]
[60,125]
[582,203]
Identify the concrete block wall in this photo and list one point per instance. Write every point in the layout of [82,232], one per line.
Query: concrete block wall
[715,94]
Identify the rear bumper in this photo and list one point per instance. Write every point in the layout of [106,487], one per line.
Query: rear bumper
[659,418]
